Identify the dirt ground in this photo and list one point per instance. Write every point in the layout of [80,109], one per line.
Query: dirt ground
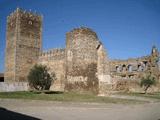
[49,110]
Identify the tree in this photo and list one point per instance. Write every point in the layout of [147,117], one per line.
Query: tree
[147,82]
[39,77]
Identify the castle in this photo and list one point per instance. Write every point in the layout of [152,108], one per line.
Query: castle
[83,65]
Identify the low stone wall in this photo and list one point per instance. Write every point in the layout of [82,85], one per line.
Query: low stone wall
[133,86]
[16,86]
[57,87]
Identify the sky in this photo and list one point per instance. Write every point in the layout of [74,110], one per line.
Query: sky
[127,28]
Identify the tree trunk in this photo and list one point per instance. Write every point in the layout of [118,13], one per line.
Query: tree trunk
[146,89]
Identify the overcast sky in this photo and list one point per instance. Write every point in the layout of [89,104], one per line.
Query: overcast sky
[127,28]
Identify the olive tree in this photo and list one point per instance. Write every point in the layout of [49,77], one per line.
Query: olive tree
[39,78]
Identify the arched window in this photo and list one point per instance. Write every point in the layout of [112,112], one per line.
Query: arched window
[130,68]
[145,65]
[140,68]
[117,69]
[123,67]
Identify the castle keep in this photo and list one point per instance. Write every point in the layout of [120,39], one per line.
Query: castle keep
[23,44]
[83,65]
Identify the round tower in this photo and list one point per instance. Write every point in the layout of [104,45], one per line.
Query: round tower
[82,42]
[81,58]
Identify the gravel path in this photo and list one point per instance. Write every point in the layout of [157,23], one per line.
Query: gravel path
[49,110]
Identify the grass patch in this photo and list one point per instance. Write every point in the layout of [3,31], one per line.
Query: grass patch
[68,96]
[155,95]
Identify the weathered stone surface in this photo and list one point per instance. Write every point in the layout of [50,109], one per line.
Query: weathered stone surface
[83,65]
[136,67]
[55,60]
[14,86]
[103,73]
[81,58]
[23,44]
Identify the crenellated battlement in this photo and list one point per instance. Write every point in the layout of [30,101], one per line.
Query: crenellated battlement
[53,54]
[27,14]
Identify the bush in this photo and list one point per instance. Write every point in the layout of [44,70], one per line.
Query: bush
[39,77]
[147,82]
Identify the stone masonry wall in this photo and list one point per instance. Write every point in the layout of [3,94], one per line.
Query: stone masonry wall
[81,59]
[23,44]
[127,74]
[55,60]
[14,86]
[103,72]
[131,68]
[28,44]
[11,37]
[82,66]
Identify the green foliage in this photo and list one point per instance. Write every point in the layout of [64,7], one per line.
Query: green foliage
[39,78]
[67,96]
[147,82]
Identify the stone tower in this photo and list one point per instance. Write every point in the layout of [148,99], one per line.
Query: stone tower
[81,59]
[154,56]
[23,44]
[154,52]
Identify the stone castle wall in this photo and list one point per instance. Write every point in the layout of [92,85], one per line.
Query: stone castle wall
[103,70]
[11,37]
[134,68]
[82,66]
[28,44]
[81,59]
[130,68]
[23,44]
[14,86]
[55,60]
[127,74]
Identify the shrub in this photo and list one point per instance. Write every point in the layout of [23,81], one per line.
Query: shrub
[39,77]
[147,82]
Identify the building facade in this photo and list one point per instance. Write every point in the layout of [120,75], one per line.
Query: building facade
[83,65]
